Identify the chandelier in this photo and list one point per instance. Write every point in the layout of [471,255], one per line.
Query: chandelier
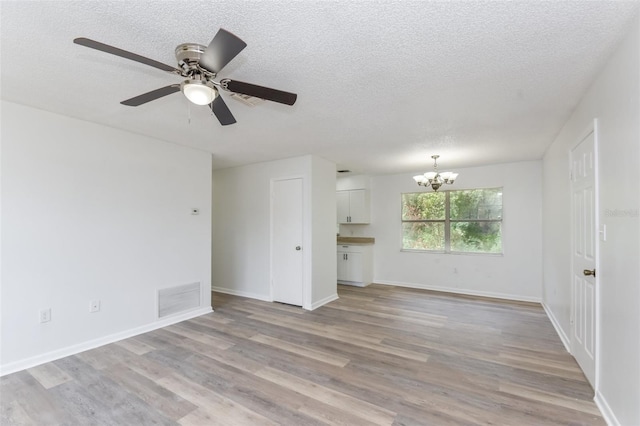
[435,179]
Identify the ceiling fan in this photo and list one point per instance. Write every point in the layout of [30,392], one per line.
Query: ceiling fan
[199,65]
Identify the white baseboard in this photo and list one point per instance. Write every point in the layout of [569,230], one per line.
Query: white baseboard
[606,410]
[554,321]
[353,283]
[101,341]
[462,291]
[241,293]
[264,298]
[324,301]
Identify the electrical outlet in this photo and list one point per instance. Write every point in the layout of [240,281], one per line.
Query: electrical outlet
[45,315]
[94,306]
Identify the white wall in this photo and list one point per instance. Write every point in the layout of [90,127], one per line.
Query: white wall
[91,212]
[241,229]
[345,183]
[614,100]
[323,224]
[515,275]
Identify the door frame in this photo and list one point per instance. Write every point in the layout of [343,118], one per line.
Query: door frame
[591,128]
[305,251]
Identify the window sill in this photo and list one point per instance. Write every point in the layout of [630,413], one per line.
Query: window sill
[462,253]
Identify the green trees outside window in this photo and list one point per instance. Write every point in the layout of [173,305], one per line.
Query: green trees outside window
[467,221]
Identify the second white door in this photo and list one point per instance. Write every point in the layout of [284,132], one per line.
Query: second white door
[583,205]
[286,241]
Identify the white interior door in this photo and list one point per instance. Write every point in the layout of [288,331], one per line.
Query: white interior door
[583,207]
[286,238]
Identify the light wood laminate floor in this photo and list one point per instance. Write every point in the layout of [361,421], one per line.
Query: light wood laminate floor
[378,355]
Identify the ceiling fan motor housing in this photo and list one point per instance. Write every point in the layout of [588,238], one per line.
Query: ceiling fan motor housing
[188,56]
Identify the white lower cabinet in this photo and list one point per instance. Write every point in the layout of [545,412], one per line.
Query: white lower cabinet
[355,264]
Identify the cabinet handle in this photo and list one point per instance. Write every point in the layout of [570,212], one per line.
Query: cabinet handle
[347,256]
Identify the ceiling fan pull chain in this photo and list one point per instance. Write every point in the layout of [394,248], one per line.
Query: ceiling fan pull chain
[189,112]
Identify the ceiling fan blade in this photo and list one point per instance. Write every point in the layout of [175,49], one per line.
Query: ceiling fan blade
[124,54]
[222,112]
[222,49]
[152,95]
[259,91]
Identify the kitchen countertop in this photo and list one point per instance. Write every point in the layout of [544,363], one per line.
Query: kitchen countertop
[356,240]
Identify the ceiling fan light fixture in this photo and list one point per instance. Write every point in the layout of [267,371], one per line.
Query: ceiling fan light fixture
[199,92]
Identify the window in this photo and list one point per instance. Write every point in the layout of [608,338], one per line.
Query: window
[468,221]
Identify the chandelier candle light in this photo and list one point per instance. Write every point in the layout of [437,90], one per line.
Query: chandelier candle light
[435,179]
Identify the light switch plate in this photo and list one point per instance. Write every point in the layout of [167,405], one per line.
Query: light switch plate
[603,232]
[45,315]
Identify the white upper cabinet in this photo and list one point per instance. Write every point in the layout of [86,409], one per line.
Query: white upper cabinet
[342,202]
[353,206]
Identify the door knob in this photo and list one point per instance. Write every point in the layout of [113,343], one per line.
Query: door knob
[589,272]
[298,248]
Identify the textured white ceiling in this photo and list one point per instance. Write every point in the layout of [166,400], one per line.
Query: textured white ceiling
[381,85]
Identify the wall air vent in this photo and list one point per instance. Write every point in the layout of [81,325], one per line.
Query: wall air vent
[173,300]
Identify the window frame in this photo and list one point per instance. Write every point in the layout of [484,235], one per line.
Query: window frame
[447,225]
